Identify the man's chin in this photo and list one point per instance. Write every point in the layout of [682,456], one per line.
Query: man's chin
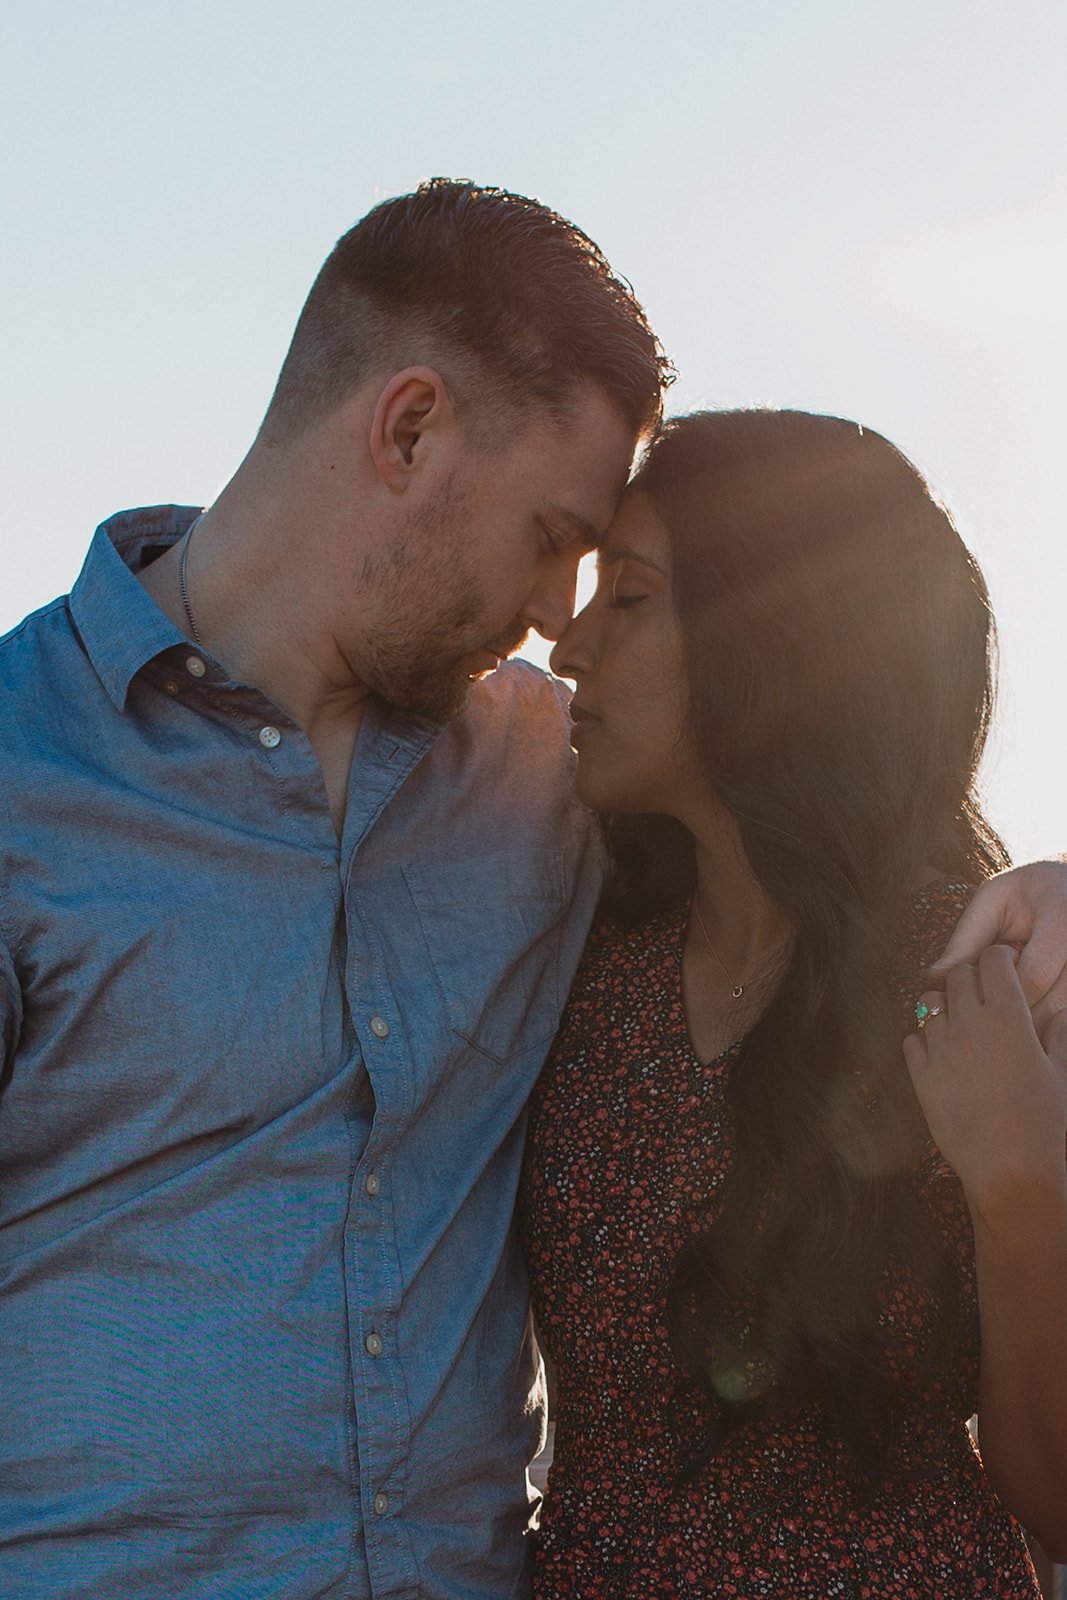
[510,643]
[443,696]
[442,699]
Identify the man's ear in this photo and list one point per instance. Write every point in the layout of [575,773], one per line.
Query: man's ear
[411,410]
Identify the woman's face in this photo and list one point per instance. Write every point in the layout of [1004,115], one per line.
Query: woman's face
[625,653]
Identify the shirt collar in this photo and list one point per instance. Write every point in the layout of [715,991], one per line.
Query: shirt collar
[123,629]
[120,626]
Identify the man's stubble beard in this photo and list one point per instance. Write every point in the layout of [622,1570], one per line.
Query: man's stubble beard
[430,597]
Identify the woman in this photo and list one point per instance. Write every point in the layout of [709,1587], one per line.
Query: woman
[773,1300]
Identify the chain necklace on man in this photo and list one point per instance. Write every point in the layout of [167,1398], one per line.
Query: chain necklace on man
[183,587]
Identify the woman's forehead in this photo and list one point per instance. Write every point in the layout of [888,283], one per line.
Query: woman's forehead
[637,531]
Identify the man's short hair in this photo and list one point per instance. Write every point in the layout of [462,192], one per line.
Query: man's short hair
[513,303]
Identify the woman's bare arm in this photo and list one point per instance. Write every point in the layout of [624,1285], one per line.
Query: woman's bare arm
[996,1101]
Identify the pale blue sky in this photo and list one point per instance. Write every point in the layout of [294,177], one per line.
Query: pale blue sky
[847,206]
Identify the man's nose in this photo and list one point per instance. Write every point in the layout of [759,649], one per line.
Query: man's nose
[551,605]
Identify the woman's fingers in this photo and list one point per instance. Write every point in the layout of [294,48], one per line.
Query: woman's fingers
[963,994]
[999,976]
[1054,1039]
[985,920]
[931,1010]
[1026,907]
[1053,1003]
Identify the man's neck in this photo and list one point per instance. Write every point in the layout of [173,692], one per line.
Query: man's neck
[256,610]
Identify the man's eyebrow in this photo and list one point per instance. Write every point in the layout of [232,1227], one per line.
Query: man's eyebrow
[576,527]
[621,552]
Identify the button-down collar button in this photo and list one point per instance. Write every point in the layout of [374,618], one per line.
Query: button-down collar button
[170,686]
[269,737]
[381,1504]
[374,1344]
[372,1183]
[379,1027]
[195,667]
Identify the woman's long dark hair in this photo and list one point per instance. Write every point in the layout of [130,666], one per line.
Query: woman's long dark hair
[839,647]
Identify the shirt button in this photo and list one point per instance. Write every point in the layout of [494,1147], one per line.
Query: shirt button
[269,738]
[381,1504]
[375,1344]
[195,667]
[372,1183]
[379,1027]
[170,686]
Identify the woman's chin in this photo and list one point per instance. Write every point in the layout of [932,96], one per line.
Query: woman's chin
[595,790]
[588,790]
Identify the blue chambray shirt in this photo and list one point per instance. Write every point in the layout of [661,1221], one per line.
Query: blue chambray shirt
[263,1325]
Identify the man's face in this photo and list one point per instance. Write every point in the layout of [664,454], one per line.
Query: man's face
[495,554]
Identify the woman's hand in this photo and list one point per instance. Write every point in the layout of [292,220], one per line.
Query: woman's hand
[994,1098]
[1026,907]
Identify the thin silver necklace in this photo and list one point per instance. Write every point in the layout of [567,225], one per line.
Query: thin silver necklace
[183,587]
[736,989]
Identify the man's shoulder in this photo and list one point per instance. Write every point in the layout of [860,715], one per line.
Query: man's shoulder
[510,746]
[517,704]
[26,635]
[30,652]
[519,688]
[519,714]
[39,673]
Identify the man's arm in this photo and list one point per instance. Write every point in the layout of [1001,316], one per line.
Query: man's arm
[1026,907]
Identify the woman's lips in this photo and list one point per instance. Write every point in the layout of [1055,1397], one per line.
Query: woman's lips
[582,721]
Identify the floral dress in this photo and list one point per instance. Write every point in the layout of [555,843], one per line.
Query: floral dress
[629,1143]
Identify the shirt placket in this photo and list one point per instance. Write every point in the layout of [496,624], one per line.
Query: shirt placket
[373,1285]
[382,1430]
[372,1244]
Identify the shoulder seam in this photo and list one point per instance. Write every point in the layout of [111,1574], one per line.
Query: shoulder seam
[59,603]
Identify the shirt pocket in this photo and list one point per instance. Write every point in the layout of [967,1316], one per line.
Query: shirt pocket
[492,925]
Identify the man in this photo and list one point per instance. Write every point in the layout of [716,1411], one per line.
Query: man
[270,1013]
[289,911]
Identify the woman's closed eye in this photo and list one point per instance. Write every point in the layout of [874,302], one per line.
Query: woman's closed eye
[625,592]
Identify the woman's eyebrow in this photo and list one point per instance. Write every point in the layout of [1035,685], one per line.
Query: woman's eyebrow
[619,552]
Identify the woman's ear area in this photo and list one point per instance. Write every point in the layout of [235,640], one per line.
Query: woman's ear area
[412,411]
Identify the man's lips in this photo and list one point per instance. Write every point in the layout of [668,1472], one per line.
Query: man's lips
[490,655]
[483,660]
